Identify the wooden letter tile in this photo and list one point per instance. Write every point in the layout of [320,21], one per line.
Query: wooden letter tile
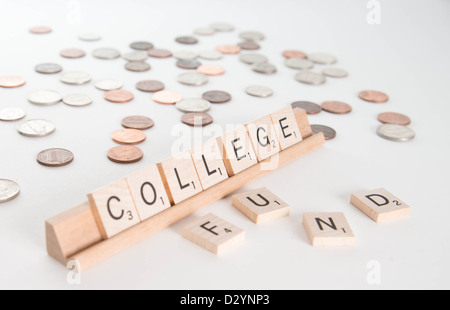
[148,192]
[328,230]
[114,209]
[286,127]
[213,234]
[209,163]
[380,205]
[180,177]
[263,137]
[261,205]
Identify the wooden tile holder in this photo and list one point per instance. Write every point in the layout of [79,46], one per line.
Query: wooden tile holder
[74,234]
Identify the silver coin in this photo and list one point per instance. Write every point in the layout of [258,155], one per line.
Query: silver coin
[193,105]
[259,91]
[11,114]
[205,31]
[252,58]
[211,55]
[322,58]
[188,63]
[222,27]
[396,133]
[299,63]
[137,66]
[309,77]
[36,128]
[106,53]
[141,46]
[89,37]
[44,97]
[48,68]
[335,72]
[77,100]
[193,78]
[108,84]
[75,78]
[265,68]
[135,56]
[8,190]
[185,55]
[252,36]
[186,40]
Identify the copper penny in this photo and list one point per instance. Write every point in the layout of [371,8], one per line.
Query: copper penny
[150,86]
[197,119]
[328,132]
[336,107]
[11,81]
[373,96]
[125,154]
[309,107]
[40,30]
[55,157]
[159,53]
[119,96]
[128,136]
[394,118]
[137,122]
[249,45]
[294,54]
[217,96]
[72,53]
[167,97]
[211,70]
[229,49]
[137,66]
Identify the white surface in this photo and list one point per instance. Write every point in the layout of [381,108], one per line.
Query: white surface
[405,56]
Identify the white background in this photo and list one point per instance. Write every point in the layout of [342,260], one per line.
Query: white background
[405,56]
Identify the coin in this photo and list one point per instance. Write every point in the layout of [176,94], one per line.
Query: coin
[373,96]
[77,100]
[159,53]
[309,77]
[394,118]
[72,53]
[186,40]
[328,132]
[108,84]
[205,31]
[185,55]
[252,36]
[150,86]
[193,105]
[193,79]
[211,55]
[229,49]
[249,45]
[11,114]
[188,63]
[309,107]
[322,58]
[55,157]
[222,27]
[259,91]
[125,154]
[119,96]
[294,54]
[167,97]
[106,53]
[396,132]
[89,37]
[40,30]
[48,68]
[197,119]
[217,96]
[211,70]
[8,190]
[36,128]
[128,136]
[252,58]
[141,46]
[336,107]
[11,81]
[135,56]
[75,78]
[137,122]
[299,63]
[335,72]
[137,66]
[44,97]
[264,68]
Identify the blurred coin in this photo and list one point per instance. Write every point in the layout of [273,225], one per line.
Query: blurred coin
[396,132]
[249,45]
[205,31]
[193,79]
[335,72]
[106,53]
[11,114]
[211,55]
[141,46]
[40,30]
[75,77]
[294,54]
[55,157]
[217,96]
[373,96]
[322,58]
[185,55]
[264,68]
[137,122]
[44,97]
[299,63]
[197,119]
[128,136]
[193,105]
[167,97]
[77,100]
[252,36]
[72,53]
[211,70]
[48,68]
[135,56]
[11,81]
[328,132]
[309,77]
[108,84]
[150,86]
[336,107]
[252,58]
[222,27]
[394,118]
[89,37]
[36,128]
[119,96]
[137,66]
[309,107]
[186,40]
[125,154]
[259,91]
[229,49]
[159,53]
[188,63]
[8,190]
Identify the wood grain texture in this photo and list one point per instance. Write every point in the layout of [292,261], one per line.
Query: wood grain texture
[328,230]
[264,138]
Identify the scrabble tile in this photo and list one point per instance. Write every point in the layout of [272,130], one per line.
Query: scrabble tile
[148,192]
[180,177]
[213,234]
[114,209]
[264,138]
[261,205]
[328,229]
[209,164]
[380,205]
[238,152]
[286,127]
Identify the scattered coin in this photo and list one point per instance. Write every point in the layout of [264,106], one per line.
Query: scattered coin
[335,72]
[119,96]
[299,63]
[137,122]
[77,100]
[72,53]
[205,31]
[336,107]
[44,97]
[36,128]
[197,119]
[193,79]
[264,68]
[188,63]
[193,105]
[137,66]
[217,96]
[48,68]
[186,40]
[128,136]
[259,91]
[252,58]
[211,70]
[11,81]
[150,86]
[222,27]
[40,30]
[185,55]
[75,78]
[135,56]
[229,49]
[249,45]
[106,53]
[396,132]
[309,107]
[394,118]
[373,96]
[55,157]
[141,46]
[252,36]
[328,132]
[211,55]
[167,97]
[108,84]
[294,54]
[90,37]
[159,53]
[309,77]
[9,190]
[322,58]
[125,154]
[11,114]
